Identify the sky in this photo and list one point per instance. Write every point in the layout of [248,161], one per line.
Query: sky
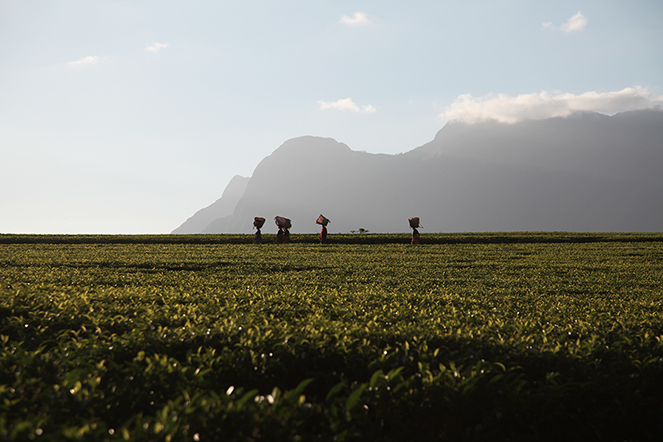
[129,116]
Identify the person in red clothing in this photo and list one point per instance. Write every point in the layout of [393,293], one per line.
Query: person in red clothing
[323,235]
[323,221]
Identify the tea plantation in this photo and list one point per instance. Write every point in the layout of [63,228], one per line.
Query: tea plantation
[481,337]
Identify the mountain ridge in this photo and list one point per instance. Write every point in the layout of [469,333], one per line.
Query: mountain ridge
[586,172]
[221,208]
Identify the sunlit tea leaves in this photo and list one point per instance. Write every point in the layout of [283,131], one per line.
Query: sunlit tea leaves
[491,337]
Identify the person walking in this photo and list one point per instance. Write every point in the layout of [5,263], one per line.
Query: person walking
[415,237]
[283,235]
[323,233]
[414,224]
[258,223]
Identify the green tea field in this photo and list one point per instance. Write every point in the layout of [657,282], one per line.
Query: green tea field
[465,337]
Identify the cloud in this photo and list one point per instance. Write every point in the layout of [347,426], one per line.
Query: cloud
[573,24]
[506,109]
[346,104]
[358,19]
[154,47]
[90,59]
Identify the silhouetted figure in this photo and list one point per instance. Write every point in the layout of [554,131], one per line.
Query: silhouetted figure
[322,220]
[284,224]
[258,223]
[414,224]
[415,237]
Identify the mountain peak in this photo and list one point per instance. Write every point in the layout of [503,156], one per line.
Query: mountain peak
[311,145]
[588,172]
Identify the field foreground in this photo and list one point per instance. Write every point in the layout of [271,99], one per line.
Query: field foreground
[511,336]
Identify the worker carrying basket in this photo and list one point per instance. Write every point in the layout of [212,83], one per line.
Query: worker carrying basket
[284,224]
[415,224]
[323,221]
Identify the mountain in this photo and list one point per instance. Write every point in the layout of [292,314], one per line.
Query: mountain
[622,146]
[222,207]
[585,172]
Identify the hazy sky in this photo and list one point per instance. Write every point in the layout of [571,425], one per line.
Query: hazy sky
[129,116]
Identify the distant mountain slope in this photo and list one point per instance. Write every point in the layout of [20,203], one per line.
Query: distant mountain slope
[307,176]
[222,207]
[626,145]
[587,172]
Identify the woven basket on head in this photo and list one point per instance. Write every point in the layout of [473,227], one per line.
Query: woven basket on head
[322,220]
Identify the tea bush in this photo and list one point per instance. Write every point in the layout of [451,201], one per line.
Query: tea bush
[521,336]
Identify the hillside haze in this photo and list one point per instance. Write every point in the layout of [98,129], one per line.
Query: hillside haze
[586,172]
[222,207]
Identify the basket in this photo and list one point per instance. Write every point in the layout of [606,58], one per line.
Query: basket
[283,223]
[258,222]
[322,220]
[414,222]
